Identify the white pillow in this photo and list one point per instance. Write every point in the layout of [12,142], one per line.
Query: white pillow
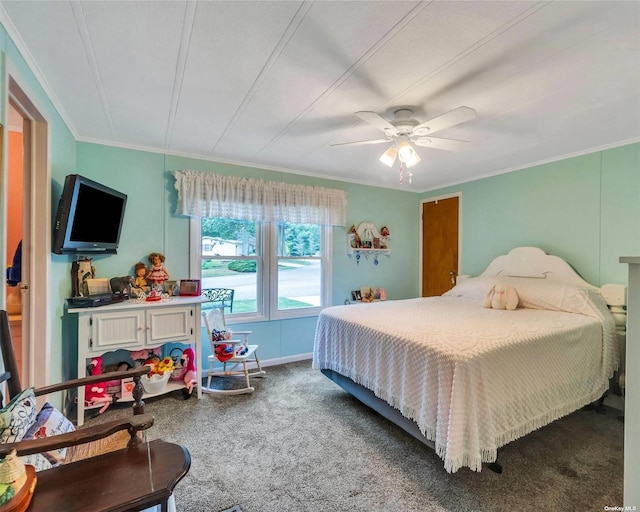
[558,296]
[472,288]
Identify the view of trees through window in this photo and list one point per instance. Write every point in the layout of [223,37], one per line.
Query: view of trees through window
[231,258]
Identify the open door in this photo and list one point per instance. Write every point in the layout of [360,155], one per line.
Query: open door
[440,240]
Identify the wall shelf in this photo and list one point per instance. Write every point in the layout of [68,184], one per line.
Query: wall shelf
[366,240]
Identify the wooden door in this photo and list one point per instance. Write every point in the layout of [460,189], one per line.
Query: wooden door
[439,245]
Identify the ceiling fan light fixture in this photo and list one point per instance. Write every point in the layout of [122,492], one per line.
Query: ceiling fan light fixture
[389,156]
[412,160]
[408,154]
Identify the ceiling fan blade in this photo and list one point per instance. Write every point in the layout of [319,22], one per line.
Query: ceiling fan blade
[362,142]
[451,118]
[440,143]
[378,122]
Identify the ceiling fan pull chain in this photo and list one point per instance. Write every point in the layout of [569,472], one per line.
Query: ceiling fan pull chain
[401,172]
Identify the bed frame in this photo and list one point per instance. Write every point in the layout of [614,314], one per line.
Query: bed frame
[530,262]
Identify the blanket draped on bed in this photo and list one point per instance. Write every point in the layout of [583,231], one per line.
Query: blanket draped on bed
[472,379]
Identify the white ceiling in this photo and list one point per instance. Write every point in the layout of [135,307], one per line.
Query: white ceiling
[273,83]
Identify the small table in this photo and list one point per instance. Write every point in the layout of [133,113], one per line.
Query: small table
[130,479]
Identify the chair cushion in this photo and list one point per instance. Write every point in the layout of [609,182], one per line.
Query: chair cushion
[50,422]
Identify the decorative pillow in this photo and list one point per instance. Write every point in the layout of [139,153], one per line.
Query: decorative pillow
[472,288]
[17,417]
[50,422]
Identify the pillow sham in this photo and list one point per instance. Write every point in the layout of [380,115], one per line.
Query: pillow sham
[558,296]
[475,288]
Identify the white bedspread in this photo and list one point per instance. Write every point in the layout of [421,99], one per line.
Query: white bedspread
[473,379]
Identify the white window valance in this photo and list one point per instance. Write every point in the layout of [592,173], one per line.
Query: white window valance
[206,194]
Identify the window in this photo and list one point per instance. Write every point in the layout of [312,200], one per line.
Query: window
[276,269]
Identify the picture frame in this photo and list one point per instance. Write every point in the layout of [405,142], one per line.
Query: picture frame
[170,287]
[190,287]
[365,293]
[356,295]
[126,390]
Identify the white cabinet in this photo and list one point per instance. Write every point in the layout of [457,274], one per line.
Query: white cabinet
[131,325]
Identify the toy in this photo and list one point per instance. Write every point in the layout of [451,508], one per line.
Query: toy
[501,296]
[140,357]
[140,284]
[81,270]
[157,272]
[96,393]
[120,284]
[188,361]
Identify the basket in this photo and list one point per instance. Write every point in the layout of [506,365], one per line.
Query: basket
[156,383]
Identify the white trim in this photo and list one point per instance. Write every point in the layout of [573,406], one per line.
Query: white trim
[282,360]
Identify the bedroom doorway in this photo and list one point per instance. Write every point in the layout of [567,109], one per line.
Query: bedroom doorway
[30,222]
[440,244]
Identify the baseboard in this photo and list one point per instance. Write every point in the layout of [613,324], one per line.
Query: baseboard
[282,360]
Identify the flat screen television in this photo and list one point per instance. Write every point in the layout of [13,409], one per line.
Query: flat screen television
[89,218]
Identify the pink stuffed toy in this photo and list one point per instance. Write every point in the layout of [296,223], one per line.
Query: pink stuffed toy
[188,360]
[96,393]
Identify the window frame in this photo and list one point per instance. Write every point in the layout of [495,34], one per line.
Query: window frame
[267,275]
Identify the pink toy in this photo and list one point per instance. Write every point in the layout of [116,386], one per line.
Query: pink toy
[96,393]
[188,360]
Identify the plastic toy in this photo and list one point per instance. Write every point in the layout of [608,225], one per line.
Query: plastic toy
[157,272]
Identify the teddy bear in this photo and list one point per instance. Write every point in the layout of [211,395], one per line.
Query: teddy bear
[501,296]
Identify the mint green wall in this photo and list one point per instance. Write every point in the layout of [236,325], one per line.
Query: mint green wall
[62,154]
[150,225]
[585,209]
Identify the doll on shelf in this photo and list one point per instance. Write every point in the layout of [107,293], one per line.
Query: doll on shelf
[157,272]
[140,284]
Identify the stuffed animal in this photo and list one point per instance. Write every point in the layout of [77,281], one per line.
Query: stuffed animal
[501,296]
[188,361]
[96,393]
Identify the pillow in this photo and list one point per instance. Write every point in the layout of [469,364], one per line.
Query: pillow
[475,288]
[17,417]
[50,422]
[558,296]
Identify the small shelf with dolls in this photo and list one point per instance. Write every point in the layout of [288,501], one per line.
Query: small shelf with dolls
[368,241]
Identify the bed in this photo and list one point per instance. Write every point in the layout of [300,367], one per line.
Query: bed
[466,379]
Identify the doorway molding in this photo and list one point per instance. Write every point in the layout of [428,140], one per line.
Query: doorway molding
[36,318]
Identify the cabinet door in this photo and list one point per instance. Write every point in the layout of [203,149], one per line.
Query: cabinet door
[120,329]
[170,324]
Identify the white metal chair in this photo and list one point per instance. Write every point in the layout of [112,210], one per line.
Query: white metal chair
[232,354]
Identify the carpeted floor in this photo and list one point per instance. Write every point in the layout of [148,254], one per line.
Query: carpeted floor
[299,443]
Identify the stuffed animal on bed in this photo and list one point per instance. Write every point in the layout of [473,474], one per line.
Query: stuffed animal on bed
[501,296]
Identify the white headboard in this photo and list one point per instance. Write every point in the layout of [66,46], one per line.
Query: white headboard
[535,263]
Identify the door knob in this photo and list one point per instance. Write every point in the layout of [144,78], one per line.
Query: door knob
[453,275]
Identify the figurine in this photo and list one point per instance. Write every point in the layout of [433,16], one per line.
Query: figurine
[157,272]
[140,284]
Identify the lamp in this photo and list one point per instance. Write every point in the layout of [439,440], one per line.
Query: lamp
[389,156]
[408,154]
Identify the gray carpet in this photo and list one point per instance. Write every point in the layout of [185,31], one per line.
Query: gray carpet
[299,443]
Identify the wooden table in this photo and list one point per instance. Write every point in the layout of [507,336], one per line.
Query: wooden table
[130,479]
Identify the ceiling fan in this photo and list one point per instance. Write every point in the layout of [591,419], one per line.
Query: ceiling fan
[403,130]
